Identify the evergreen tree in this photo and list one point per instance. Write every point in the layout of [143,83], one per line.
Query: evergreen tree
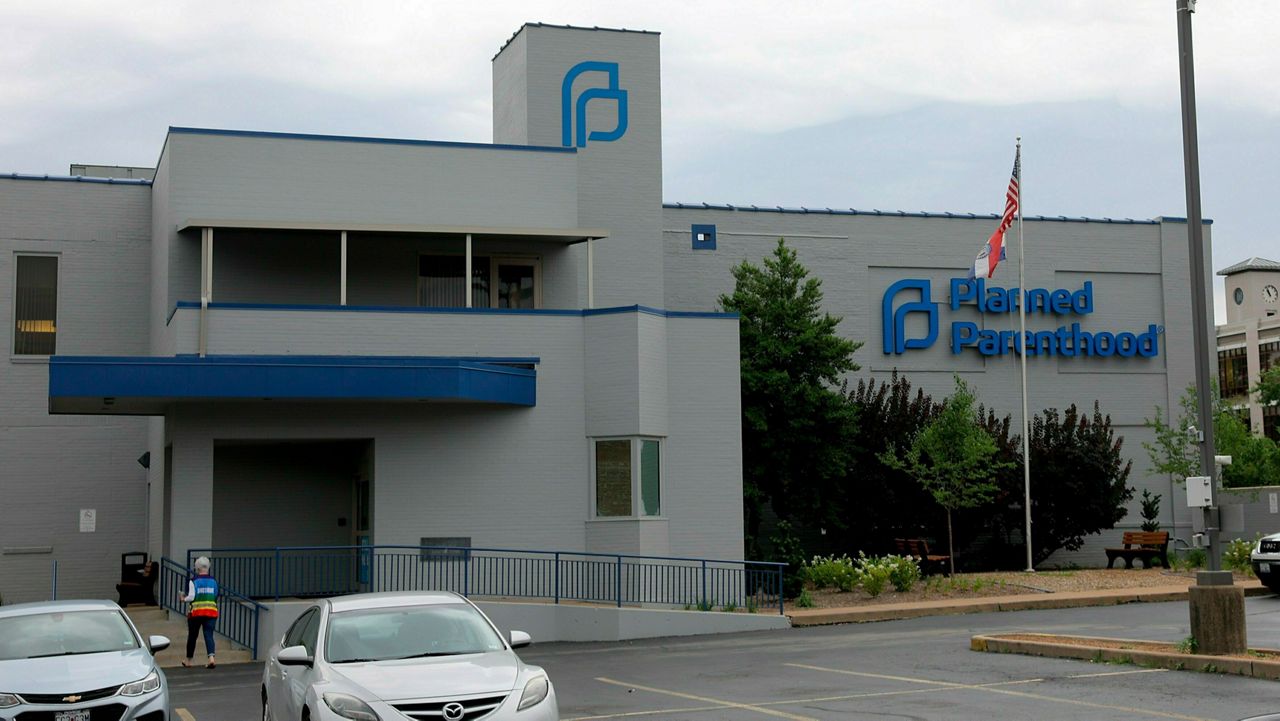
[797,424]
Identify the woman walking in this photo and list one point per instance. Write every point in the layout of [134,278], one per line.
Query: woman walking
[202,594]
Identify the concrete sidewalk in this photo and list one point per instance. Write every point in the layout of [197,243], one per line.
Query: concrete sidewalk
[1019,602]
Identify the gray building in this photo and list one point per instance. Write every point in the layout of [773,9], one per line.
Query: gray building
[326,340]
[1249,342]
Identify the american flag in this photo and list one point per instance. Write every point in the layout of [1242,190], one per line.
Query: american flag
[984,266]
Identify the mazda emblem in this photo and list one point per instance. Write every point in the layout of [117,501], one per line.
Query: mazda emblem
[453,711]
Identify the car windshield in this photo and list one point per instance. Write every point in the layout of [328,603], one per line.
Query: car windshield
[383,634]
[64,634]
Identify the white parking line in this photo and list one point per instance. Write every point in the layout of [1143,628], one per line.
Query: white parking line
[989,688]
[704,699]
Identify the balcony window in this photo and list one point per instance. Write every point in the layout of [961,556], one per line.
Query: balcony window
[35,308]
[495,282]
[628,477]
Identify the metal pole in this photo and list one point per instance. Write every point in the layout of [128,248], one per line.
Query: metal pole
[1022,335]
[468,282]
[342,294]
[54,591]
[1199,308]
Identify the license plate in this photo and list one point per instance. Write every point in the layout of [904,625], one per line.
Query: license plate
[76,715]
[1264,567]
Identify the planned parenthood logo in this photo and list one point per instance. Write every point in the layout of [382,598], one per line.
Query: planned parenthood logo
[895,321]
[573,115]
[1065,340]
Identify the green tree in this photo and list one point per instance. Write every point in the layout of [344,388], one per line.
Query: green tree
[953,458]
[797,424]
[1268,388]
[1150,511]
[1255,459]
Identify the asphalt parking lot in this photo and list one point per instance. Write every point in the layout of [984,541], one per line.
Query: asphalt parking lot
[918,669]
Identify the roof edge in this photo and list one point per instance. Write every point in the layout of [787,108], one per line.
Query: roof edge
[568,27]
[179,130]
[801,210]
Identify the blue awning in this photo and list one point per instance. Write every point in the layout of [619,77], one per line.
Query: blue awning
[147,385]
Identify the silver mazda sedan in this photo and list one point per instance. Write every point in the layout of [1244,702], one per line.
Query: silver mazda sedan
[78,661]
[384,656]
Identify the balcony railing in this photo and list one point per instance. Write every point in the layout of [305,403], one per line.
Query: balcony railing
[554,576]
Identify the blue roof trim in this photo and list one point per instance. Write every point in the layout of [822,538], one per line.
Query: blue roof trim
[362,139]
[393,359]
[139,380]
[570,312]
[920,214]
[76,179]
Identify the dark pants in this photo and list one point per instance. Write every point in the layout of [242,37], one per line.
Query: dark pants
[194,625]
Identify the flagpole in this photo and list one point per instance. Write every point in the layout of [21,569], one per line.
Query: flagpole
[1022,322]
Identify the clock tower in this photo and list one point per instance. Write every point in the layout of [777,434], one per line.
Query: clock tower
[1253,289]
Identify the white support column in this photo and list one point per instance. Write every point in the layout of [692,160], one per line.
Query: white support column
[591,273]
[466,282]
[206,286]
[342,283]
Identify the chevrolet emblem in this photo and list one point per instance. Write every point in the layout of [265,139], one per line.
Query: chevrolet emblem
[71,699]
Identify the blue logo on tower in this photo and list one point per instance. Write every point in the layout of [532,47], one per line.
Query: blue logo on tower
[895,321]
[1065,340]
[573,114]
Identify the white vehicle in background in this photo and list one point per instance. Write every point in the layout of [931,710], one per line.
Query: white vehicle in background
[1266,561]
[78,661]
[384,656]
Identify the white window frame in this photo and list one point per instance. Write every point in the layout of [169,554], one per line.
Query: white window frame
[15,357]
[637,501]
[495,259]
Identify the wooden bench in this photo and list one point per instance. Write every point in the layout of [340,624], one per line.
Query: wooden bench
[1146,545]
[918,547]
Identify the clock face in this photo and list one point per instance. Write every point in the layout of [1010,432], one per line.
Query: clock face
[1270,294]
[1239,296]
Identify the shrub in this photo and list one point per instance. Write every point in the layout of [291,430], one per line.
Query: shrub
[904,572]
[804,600]
[1150,511]
[838,572]
[1235,556]
[874,573]
[1189,560]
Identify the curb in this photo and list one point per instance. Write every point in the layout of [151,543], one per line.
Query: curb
[1253,668]
[1030,602]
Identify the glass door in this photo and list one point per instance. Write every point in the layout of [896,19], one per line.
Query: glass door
[515,283]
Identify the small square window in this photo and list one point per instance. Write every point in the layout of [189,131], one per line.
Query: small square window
[704,237]
[627,477]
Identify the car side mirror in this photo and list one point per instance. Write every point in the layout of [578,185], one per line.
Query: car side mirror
[157,643]
[295,656]
[520,639]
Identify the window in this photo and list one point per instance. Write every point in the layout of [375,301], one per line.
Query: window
[495,282]
[35,305]
[293,637]
[440,283]
[628,477]
[1233,372]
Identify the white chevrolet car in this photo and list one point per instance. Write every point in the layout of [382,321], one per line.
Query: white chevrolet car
[1266,561]
[384,656]
[78,661]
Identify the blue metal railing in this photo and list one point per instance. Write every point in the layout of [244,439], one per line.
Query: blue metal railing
[619,579]
[238,615]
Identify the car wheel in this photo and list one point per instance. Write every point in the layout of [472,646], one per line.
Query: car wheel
[1274,585]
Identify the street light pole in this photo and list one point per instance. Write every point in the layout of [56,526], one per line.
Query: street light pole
[1199,307]
[1215,603]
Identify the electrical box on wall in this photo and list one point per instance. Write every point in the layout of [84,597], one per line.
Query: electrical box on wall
[1198,488]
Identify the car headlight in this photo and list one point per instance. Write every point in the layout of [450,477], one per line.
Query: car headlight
[8,700]
[146,685]
[348,706]
[534,691]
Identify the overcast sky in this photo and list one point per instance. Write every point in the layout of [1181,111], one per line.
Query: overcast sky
[894,104]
